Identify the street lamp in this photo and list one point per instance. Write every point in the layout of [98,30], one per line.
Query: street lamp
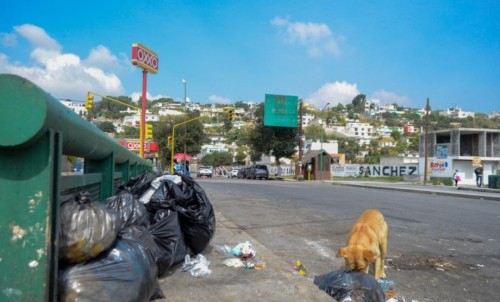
[185,129]
[321,143]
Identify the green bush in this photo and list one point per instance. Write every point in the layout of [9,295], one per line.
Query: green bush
[442,181]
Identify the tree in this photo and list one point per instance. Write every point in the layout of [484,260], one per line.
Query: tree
[278,141]
[129,132]
[107,127]
[349,147]
[314,132]
[358,103]
[240,157]
[240,104]
[192,134]
[373,156]
[414,143]
[217,159]
[396,135]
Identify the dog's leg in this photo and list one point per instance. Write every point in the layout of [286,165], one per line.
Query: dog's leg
[383,254]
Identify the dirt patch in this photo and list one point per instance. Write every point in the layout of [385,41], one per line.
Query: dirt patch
[407,262]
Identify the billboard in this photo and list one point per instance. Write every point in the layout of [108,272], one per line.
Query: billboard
[281,110]
[144,57]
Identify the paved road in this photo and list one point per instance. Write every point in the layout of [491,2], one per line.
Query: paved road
[441,248]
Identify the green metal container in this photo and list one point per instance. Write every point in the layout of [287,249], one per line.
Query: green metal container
[494,181]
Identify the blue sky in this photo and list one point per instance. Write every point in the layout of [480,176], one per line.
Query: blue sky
[228,51]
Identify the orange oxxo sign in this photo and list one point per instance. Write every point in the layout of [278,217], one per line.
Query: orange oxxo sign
[144,57]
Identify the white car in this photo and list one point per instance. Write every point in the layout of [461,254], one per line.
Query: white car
[233,173]
[205,171]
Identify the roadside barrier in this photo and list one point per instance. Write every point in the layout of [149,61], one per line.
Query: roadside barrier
[37,132]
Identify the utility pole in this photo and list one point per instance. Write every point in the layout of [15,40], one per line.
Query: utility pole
[185,129]
[426,138]
[321,142]
[300,138]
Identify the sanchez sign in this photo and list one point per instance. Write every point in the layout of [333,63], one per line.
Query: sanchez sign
[144,57]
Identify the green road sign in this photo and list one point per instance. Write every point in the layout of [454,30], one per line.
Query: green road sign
[281,110]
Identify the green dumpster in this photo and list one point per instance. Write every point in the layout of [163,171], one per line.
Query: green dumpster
[494,181]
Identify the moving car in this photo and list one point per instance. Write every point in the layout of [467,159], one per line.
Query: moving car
[258,171]
[205,171]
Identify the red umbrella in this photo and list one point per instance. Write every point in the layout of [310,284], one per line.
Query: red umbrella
[180,156]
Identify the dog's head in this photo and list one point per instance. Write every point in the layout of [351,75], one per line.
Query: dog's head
[356,258]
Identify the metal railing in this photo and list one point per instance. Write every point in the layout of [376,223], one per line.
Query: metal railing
[37,131]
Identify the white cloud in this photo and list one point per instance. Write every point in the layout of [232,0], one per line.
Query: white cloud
[102,57]
[317,38]
[8,39]
[136,96]
[219,100]
[37,37]
[333,93]
[387,97]
[64,75]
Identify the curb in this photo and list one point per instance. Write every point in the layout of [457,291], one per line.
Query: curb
[429,192]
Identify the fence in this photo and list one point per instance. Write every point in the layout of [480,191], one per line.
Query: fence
[37,132]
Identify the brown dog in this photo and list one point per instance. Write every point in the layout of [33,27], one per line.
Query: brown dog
[366,244]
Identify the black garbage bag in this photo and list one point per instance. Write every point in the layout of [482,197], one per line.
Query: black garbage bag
[360,287]
[167,192]
[167,234]
[131,211]
[197,220]
[138,185]
[142,235]
[87,228]
[126,272]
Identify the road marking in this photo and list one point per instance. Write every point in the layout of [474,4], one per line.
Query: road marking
[319,248]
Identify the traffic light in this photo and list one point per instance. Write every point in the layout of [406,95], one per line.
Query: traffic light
[149,131]
[170,140]
[230,113]
[89,101]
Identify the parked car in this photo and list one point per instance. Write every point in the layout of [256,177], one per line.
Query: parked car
[258,171]
[242,173]
[233,173]
[205,171]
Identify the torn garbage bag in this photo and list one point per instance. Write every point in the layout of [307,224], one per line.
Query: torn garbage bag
[126,272]
[357,286]
[87,228]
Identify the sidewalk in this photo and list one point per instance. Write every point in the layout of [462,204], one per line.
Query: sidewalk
[462,191]
[276,283]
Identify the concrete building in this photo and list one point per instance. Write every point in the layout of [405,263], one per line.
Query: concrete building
[461,149]
[332,146]
[362,131]
[456,113]
[77,107]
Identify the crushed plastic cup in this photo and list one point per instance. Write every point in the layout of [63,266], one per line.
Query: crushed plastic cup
[225,250]
[198,267]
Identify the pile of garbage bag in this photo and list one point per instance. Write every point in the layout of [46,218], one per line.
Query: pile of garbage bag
[115,250]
